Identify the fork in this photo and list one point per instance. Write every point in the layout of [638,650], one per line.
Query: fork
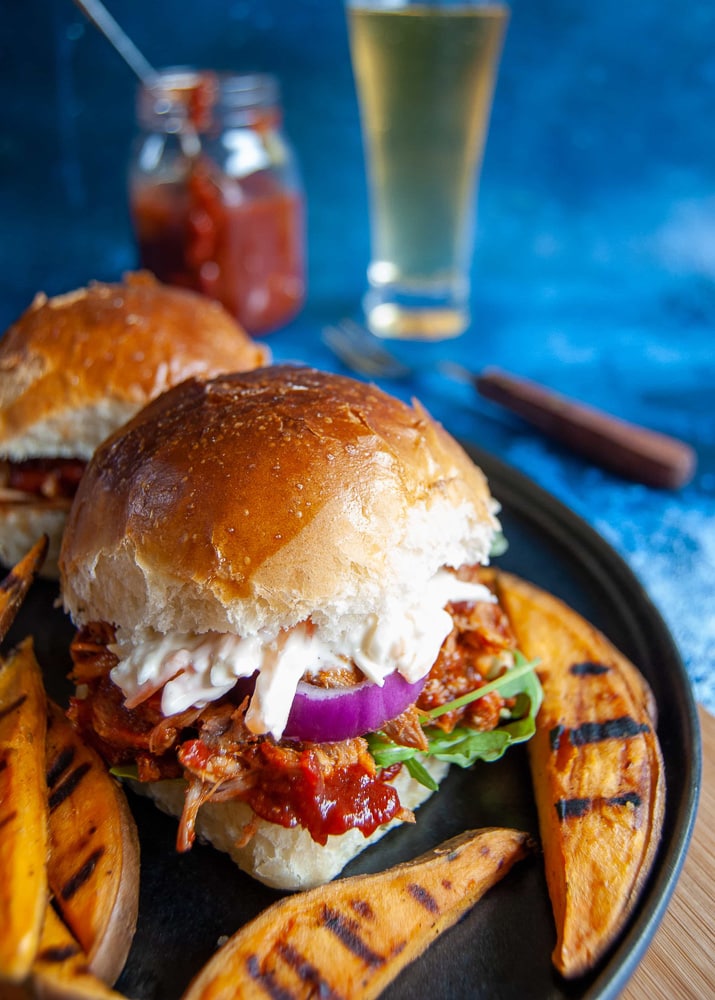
[632,451]
[362,352]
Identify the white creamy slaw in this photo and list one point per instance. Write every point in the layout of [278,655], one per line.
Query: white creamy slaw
[196,669]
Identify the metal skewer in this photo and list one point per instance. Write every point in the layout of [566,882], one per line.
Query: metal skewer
[100,17]
[97,13]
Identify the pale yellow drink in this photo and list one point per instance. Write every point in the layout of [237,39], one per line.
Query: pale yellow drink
[425,77]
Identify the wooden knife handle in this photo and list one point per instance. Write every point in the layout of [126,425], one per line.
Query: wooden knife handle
[632,451]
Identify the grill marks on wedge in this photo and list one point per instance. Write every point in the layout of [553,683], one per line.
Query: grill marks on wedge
[312,981]
[585,667]
[63,782]
[353,936]
[68,786]
[597,772]
[58,765]
[423,897]
[13,706]
[23,812]
[564,740]
[347,936]
[576,808]
[38,748]
[82,875]
[594,732]
[56,954]
[15,585]
[61,969]
[93,850]
[347,931]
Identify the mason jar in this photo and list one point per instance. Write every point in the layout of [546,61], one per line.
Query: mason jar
[215,194]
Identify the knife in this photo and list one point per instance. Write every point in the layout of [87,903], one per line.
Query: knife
[632,451]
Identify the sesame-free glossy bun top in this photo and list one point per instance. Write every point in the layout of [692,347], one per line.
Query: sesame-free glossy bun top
[256,500]
[75,367]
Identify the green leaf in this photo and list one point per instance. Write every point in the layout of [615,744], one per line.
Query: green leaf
[125,771]
[508,684]
[465,746]
[420,773]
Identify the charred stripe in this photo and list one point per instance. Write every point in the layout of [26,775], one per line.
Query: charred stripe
[362,908]
[82,874]
[346,932]
[574,808]
[9,709]
[12,584]
[568,808]
[423,897]
[59,953]
[611,729]
[59,765]
[8,819]
[307,972]
[596,732]
[68,786]
[588,668]
[628,799]
[555,735]
[267,980]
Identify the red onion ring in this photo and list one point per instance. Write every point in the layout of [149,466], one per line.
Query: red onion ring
[327,715]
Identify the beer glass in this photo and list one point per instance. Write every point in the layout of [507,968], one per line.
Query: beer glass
[425,75]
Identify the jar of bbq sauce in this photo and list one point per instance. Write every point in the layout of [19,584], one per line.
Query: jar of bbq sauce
[215,194]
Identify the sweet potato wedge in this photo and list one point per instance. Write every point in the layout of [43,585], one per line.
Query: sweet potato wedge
[60,970]
[94,849]
[23,812]
[597,773]
[352,937]
[15,585]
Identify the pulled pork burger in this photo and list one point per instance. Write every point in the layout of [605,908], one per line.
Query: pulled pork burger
[75,367]
[276,581]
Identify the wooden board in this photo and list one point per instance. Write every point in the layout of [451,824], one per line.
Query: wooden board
[681,959]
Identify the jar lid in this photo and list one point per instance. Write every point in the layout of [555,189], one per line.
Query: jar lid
[201,100]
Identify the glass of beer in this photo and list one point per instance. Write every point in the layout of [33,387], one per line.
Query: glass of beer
[425,75]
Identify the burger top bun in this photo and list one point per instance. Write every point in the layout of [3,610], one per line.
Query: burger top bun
[255,501]
[75,367]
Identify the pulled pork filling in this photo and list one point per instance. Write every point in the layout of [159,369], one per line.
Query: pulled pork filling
[327,788]
[51,478]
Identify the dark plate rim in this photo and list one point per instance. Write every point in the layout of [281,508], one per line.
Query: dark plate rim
[583,557]
[522,495]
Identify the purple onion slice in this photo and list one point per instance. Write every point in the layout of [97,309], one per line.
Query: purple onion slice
[326,715]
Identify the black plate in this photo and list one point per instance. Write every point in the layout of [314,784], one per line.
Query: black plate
[502,948]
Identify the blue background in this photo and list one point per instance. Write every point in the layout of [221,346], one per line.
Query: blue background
[595,265]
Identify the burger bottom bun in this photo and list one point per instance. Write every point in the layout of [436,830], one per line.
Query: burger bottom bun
[23,524]
[281,857]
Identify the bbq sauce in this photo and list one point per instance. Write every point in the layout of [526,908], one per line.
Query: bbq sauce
[215,194]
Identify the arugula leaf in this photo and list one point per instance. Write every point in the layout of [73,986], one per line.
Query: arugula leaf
[509,684]
[464,746]
[125,771]
[420,773]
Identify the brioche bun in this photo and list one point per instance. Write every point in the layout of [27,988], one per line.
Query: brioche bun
[75,367]
[254,501]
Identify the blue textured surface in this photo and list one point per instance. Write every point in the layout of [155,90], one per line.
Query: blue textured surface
[595,265]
